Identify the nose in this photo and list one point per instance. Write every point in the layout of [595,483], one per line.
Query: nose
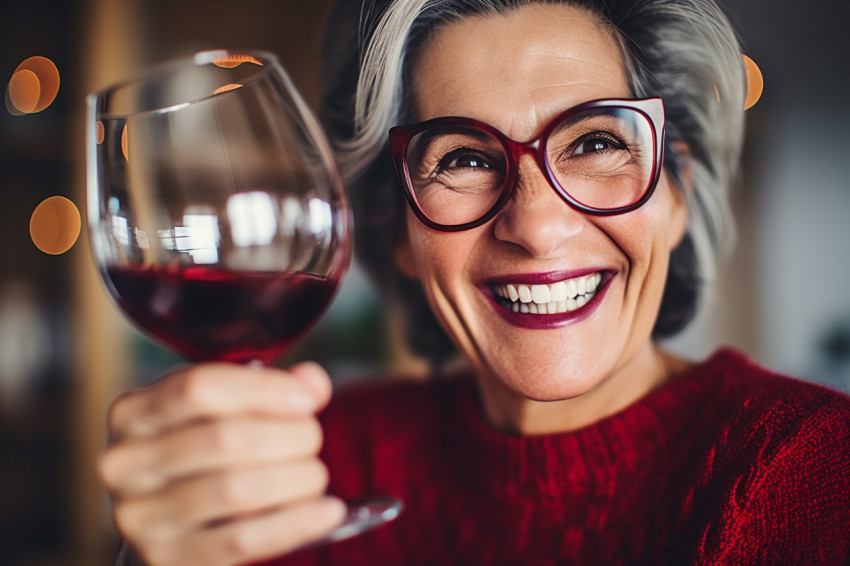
[536,218]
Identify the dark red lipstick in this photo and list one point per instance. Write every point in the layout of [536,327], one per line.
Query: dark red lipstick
[546,321]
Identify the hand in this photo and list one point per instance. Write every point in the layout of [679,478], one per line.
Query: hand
[218,464]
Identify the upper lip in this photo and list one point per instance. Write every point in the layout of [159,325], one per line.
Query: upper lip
[544,278]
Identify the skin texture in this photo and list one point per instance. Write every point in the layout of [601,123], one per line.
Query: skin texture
[517,71]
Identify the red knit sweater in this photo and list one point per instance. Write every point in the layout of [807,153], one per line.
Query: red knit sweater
[728,464]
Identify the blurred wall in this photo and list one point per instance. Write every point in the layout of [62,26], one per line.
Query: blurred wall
[784,298]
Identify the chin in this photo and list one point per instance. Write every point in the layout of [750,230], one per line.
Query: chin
[544,387]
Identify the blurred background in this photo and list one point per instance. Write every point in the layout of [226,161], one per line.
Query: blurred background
[65,353]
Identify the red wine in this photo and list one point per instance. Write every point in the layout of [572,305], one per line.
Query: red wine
[210,314]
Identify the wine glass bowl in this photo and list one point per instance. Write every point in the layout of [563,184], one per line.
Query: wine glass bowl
[217,214]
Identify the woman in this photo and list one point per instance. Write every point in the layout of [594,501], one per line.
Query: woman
[552,264]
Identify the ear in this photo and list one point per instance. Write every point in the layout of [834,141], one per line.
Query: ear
[403,257]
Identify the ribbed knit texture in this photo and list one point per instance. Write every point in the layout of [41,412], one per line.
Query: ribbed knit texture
[728,464]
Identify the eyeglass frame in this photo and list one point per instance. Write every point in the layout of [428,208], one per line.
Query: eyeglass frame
[400,136]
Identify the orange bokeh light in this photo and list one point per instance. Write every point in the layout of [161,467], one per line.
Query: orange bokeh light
[33,86]
[755,82]
[125,144]
[24,89]
[225,88]
[55,225]
[99,132]
[232,61]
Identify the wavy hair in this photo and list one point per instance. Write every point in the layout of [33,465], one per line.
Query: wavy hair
[684,51]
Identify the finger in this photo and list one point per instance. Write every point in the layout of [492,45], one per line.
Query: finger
[253,539]
[222,496]
[147,465]
[210,390]
[314,377]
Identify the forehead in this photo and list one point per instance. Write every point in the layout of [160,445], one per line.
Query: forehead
[519,69]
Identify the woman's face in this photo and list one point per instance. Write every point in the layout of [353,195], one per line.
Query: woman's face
[516,72]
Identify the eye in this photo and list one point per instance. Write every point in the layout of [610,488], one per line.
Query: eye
[595,143]
[464,158]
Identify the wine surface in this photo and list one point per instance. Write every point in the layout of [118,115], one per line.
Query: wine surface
[211,314]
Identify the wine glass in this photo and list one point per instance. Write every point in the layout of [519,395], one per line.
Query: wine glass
[217,214]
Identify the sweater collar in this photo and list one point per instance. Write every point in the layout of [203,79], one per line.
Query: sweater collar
[626,452]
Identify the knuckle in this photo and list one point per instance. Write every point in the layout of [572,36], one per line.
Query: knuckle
[232,489]
[192,388]
[226,437]
[106,468]
[129,519]
[116,413]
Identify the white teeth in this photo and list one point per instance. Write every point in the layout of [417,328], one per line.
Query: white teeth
[560,297]
[558,291]
[572,288]
[540,294]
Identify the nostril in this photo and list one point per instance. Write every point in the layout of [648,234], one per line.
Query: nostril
[540,222]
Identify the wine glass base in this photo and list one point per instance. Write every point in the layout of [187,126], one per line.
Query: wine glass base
[363,515]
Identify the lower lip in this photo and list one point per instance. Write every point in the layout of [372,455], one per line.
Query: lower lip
[549,321]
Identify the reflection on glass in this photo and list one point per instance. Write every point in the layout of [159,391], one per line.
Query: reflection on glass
[252,217]
[200,236]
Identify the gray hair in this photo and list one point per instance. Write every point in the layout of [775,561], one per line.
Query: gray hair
[684,51]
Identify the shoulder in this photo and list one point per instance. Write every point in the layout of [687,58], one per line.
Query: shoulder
[749,412]
[783,455]
[777,424]
[755,396]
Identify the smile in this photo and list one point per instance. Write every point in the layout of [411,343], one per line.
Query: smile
[554,298]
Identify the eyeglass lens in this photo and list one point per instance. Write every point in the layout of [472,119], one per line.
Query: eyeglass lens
[602,158]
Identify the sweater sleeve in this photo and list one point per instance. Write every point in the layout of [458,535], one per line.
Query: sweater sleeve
[792,506]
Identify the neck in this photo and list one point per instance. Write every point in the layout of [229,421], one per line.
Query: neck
[649,368]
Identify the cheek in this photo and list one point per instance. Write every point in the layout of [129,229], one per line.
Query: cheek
[657,227]
[647,236]
[439,256]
